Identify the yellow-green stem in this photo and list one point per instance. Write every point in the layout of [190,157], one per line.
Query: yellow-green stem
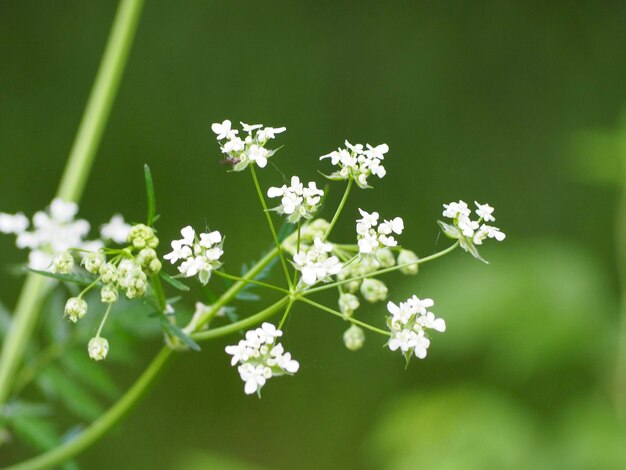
[73,181]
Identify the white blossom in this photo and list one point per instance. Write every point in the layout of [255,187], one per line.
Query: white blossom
[297,201]
[13,223]
[240,152]
[315,264]
[356,163]
[116,229]
[53,231]
[408,323]
[372,235]
[200,254]
[261,358]
[98,348]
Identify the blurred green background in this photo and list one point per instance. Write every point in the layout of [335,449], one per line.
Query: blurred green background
[514,103]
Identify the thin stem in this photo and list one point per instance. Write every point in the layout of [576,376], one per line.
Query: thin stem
[104,320]
[339,209]
[384,271]
[620,254]
[157,285]
[271,224]
[241,324]
[341,315]
[295,271]
[104,423]
[72,184]
[286,314]
[251,281]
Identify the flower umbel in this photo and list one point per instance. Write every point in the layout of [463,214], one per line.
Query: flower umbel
[297,201]
[358,163]
[261,358]
[241,152]
[200,255]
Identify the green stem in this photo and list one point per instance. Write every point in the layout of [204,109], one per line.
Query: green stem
[251,281]
[339,209]
[104,320]
[620,253]
[286,314]
[103,424]
[384,271]
[271,224]
[113,416]
[73,182]
[241,324]
[341,315]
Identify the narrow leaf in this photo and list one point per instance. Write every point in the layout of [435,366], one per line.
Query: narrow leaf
[80,279]
[175,283]
[150,194]
[175,331]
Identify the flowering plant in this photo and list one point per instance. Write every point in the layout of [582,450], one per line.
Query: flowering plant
[125,270]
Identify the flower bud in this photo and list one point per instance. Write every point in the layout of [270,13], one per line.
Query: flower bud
[93,262]
[75,309]
[348,303]
[385,257]
[108,294]
[353,338]
[154,267]
[142,236]
[98,348]
[406,257]
[63,263]
[108,273]
[374,290]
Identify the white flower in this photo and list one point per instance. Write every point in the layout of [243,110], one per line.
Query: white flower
[75,309]
[13,223]
[200,254]
[63,263]
[358,164]
[371,236]
[98,348]
[485,211]
[269,133]
[251,149]
[53,231]
[116,229]
[408,323]
[261,358]
[224,130]
[297,201]
[315,264]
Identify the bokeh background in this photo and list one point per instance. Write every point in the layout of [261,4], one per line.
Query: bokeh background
[514,103]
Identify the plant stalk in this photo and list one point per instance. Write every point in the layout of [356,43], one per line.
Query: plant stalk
[74,178]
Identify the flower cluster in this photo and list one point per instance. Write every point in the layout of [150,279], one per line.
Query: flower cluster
[261,358]
[54,231]
[315,262]
[371,235]
[251,149]
[470,232]
[200,254]
[297,201]
[358,163]
[408,323]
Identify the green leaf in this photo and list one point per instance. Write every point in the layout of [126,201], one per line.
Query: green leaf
[449,231]
[5,321]
[150,194]
[89,372]
[71,394]
[176,332]
[175,283]
[81,279]
[471,249]
[247,296]
[36,431]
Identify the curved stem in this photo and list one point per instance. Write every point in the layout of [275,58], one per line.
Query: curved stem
[73,182]
[103,424]
[271,224]
[339,209]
